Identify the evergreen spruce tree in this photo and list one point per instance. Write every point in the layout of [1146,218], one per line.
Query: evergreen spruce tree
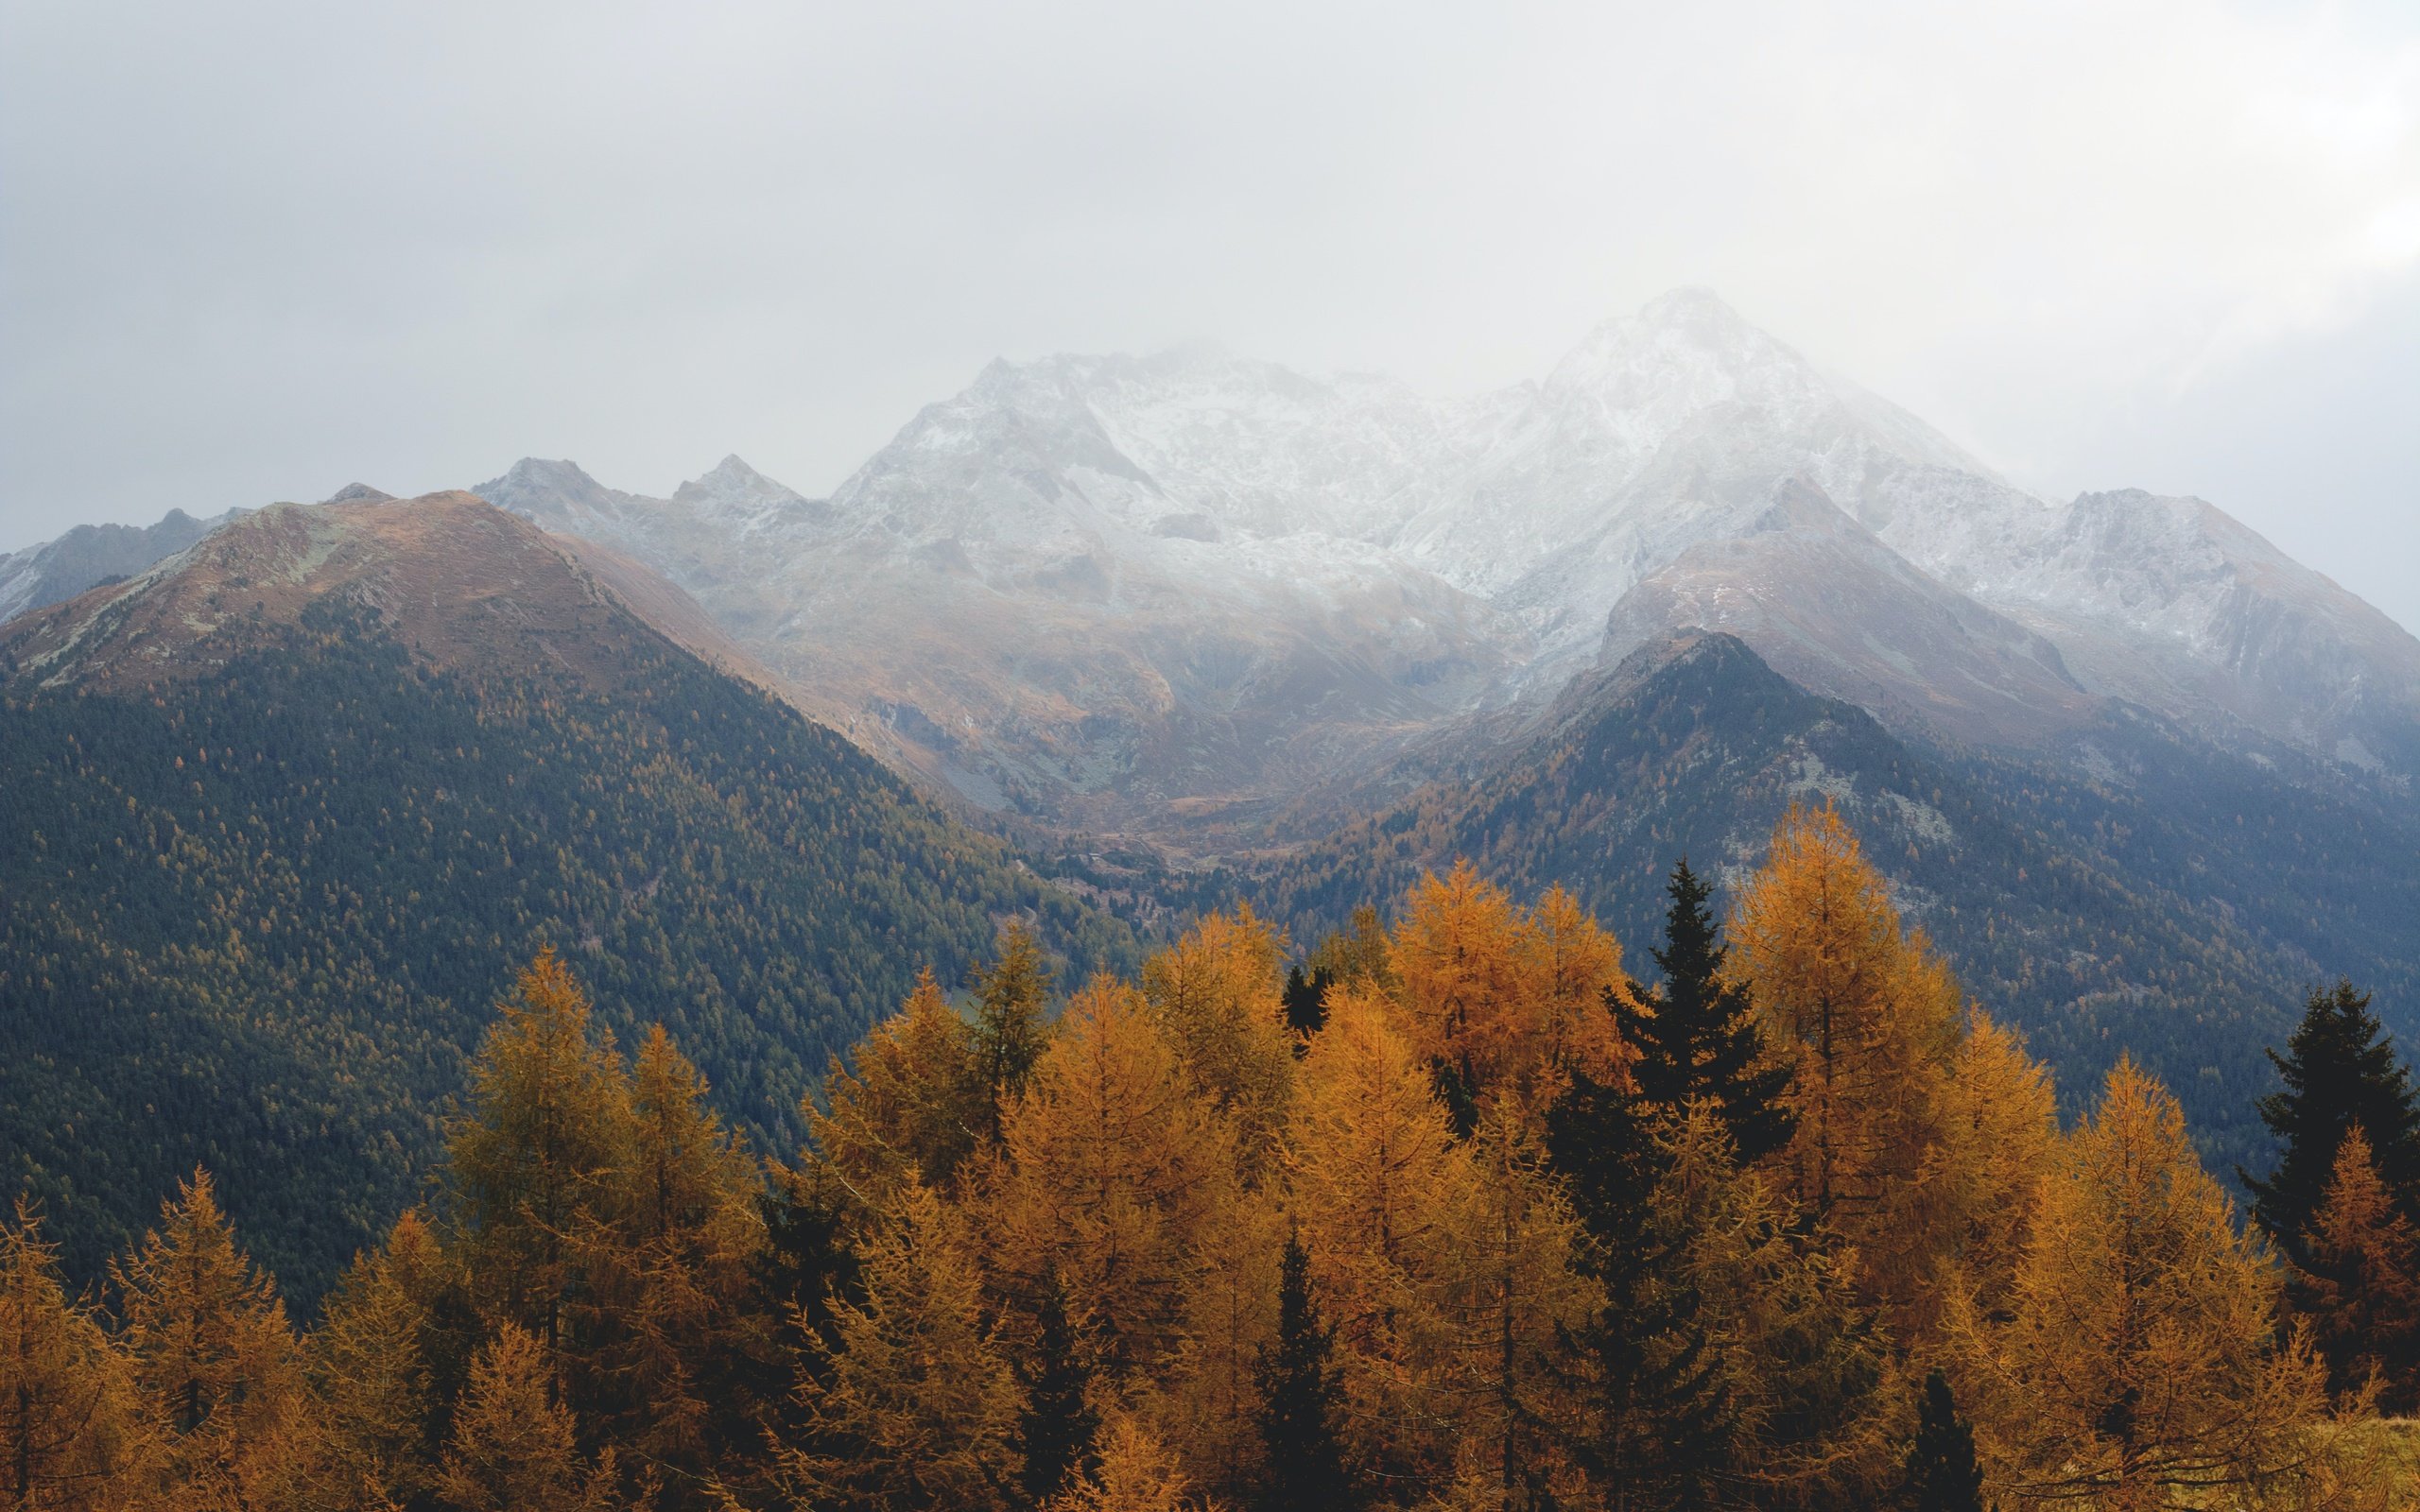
[1058,1425]
[2340,1070]
[1656,1418]
[1697,1035]
[809,1267]
[1010,997]
[1306,999]
[1943,1475]
[2361,1288]
[1300,1395]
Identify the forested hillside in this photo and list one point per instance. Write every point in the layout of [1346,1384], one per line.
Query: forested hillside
[1447,1216]
[258,896]
[2174,908]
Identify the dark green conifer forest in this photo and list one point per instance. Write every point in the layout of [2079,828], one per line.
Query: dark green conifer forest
[256,921]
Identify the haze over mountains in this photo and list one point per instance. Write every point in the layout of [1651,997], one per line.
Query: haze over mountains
[1126,592]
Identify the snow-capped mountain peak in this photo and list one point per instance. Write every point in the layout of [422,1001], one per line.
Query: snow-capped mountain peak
[737,496]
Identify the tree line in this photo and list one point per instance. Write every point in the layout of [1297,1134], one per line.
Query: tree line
[1448,1214]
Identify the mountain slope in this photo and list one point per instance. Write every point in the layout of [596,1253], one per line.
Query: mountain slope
[1049,638]
[59,570]
[287,812]
[2175,906]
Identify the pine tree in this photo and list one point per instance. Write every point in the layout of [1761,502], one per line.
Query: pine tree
[1697,1035]
[2340,1069]
[1058,1423]
[1012,995]
[809,1267]
[214,1359]
[1795,1353]
[69,1434]
[1302,1469]
[1653,1415]
[2360,1283]
[1941,1472]
[512,1447]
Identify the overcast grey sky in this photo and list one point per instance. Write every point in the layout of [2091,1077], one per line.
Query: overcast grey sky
[252,252]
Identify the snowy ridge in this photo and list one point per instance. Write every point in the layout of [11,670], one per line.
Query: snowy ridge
[1197,577]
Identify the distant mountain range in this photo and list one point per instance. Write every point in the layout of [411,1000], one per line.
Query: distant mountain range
[1220,625]
[61,569]
[1162,595]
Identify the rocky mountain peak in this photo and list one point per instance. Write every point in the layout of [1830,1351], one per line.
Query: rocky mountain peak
[736,493]
[461,581]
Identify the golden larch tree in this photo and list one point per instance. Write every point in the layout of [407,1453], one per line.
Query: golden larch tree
[910,1404]
[218,1370]
[1219,996]
[1873,1018]
[1356,953]
[1514,1288]
[1208,1412]
[1467,985]
[900,1107]
[2137,1361]
[1573,963]
[70,1435]
[1382,1191]
[539,1160]
[664,1316]
[1136,1474]
[1118,1169]
[369,1373]
[514,1446]
[2000,1128]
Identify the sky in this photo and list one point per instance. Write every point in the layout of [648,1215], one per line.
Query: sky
[253,251]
